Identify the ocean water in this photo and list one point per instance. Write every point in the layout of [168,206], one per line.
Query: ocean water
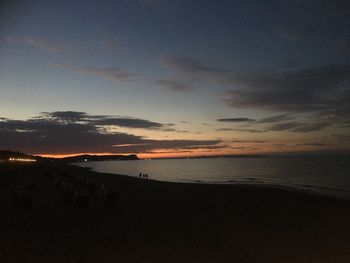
[326,175]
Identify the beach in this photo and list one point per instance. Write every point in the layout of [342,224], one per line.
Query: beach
[169,222]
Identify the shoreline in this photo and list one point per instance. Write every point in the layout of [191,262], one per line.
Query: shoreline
[333,193]
[175,222]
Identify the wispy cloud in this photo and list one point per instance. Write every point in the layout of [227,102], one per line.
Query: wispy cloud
[315,144]
[129,123]
[273,119]
[101,120]
[322,90]
[110,44]
[247,141]
[241,130]
[305,90]
[44,44]
[312,127]
[299,126]
[111,73]
[173,85]
[189,65]
[291,33]
[285,126]
[234,120]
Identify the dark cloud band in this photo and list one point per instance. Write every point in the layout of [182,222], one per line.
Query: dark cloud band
[67,132]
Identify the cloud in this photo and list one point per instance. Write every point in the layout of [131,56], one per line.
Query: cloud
[101,120]
[129,123]
[299,126]
[110,44]
[320,92]
[173,85]
[39,43]
[65,115]
[291,33]
[188,65]
[66,132]
[235,120]
[248,141]
[312,127]
[241,130]
[112,73]
[284,126]
[151,145]
[180,144]
[324,90]
[273,119]
[225,129]
[189,69]
[342,139]
[304,90]
[315,144]
[43,44]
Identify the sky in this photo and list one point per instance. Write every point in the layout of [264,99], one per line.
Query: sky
[175,78]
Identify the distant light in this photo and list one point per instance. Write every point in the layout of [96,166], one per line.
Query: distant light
[85,160]
[13,159]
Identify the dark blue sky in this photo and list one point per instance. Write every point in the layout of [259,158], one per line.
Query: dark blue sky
[184,65]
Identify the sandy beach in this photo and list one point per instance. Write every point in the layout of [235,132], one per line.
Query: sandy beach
[167,222]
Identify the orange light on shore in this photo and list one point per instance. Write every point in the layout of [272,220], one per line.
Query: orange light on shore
[21,160]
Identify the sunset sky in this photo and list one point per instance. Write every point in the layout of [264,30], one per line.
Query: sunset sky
[175,78]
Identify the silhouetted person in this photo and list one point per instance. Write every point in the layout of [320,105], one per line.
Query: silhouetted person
[146,175]
[140,175]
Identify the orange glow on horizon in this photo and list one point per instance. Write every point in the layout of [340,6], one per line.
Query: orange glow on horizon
[182,153]
[143,155]
[59,156]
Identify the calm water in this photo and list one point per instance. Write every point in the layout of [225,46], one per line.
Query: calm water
[328,175]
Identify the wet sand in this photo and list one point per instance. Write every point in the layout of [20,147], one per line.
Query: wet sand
[169,222]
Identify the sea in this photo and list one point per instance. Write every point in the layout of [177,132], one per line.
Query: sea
[319,174]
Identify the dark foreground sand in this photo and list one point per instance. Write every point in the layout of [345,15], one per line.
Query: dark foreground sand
[170,222]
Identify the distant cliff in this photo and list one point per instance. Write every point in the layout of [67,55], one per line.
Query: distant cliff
[91,158]
[6,155]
